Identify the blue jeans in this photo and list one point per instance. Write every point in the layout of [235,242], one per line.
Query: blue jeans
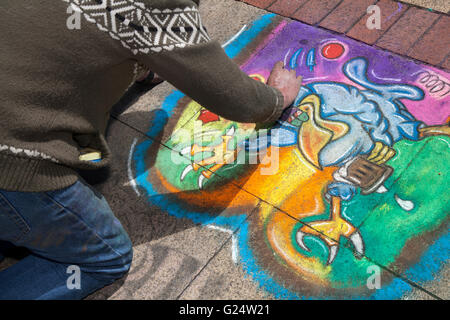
[77,245]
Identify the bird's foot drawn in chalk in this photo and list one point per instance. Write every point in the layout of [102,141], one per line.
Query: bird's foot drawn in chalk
[222,155]
[381,153]
[331,231]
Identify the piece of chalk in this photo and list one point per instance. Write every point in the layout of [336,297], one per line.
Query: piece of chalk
[91,156]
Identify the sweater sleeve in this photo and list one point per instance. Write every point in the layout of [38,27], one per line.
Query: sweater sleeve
[206,74]
[168,37]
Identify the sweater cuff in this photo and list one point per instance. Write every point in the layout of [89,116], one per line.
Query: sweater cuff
[279,106]
[33,175]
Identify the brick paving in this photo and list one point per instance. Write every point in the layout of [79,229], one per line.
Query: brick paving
[446,63]
[408,30]
[286,7]
[391,11]
[346,15]
[315,11]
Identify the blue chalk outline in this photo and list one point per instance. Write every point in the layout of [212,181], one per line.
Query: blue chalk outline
[431,261]
[293,64]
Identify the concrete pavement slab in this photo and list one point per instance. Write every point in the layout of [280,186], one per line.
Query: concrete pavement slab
[138,107]
[438,5]
[439,286]
[224,279]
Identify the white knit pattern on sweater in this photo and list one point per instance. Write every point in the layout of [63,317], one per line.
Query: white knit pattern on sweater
[27,153]
[141,29]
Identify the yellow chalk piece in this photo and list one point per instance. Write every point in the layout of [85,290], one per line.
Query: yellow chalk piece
[91,155]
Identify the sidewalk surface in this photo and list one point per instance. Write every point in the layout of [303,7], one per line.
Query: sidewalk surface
[239,231]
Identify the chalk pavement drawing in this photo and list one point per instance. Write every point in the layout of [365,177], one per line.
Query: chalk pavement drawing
[357,182]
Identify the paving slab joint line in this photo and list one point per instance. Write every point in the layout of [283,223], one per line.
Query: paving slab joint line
[411,283]
[196,113]
[423,8]
[229,239]
[143,134]
[117,118]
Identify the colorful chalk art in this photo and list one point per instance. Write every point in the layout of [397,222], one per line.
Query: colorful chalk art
[354,175]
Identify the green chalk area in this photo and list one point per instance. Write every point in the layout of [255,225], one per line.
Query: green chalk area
[420,177]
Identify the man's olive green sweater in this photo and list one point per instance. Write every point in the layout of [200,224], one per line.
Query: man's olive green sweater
[59,78]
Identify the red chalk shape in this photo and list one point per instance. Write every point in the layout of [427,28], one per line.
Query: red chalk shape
[207,116]
[333,50]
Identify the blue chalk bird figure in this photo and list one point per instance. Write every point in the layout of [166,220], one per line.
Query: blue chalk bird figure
[335,124]
[372,120]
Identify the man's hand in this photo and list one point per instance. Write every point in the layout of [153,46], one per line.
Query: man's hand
[286,81]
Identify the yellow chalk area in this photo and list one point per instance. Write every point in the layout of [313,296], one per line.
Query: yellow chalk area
[276,180]
[90,155]
[191,109]
[289,182]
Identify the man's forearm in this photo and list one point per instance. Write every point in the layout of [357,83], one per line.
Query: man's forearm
[206,74]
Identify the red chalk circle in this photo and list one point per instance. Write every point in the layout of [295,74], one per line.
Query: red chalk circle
[333,50]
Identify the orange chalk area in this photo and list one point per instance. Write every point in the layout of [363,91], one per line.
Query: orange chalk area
[296,187]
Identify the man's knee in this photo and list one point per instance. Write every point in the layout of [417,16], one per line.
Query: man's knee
[113,267]
[125,260]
